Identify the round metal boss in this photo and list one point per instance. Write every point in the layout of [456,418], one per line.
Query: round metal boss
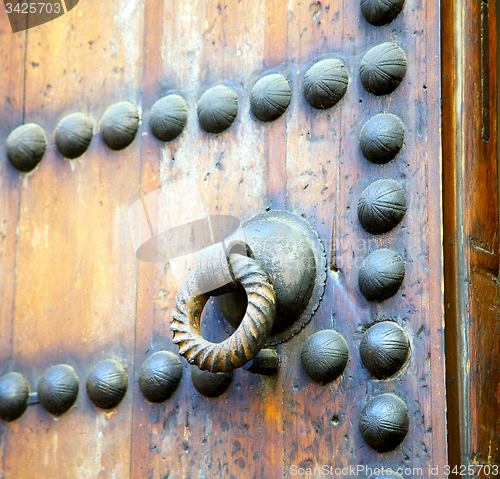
[381,275]
[210,384]
[384,349]
[58,388]
[384,422]
[26,146]
[14,395]
[160,375]
[324,356]
[107,384]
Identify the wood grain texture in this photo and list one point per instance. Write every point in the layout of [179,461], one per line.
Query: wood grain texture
[470,180]
[12,51]
[76,273]
[329,155]
[82,296]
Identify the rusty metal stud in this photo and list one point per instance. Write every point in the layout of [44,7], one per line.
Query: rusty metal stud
[26,146]
[58,388]
[384,349]
[14,396]
[119,125]
[168,117]
[381,12]
[381,206]
[324,356]
[325,83]
[249,338]
[290,251]
[159,376]
[383,68]
[107,384]
[384,422]
[217,109]
[381,275]
[266,363]
[73,135]
[270,97]
[382,138]
[210,384]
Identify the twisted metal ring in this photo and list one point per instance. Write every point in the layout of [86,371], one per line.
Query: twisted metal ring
[251,335]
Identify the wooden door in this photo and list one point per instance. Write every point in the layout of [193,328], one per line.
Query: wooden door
[74,292]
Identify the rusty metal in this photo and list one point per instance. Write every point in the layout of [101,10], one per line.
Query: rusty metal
[382,138]
[26,146]
[217,108]
[119,125]
[159,376]
[211,384]
[324,356]
[58,388]
[384,422]
[73,135]
[383,68]
[292,254]
[381,206]
[266,363]
[14,396]
[107,384]
[270,97]
[381,275]
[251,335]
[384,349]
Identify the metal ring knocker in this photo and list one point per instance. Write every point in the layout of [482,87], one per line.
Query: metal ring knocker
[251,335]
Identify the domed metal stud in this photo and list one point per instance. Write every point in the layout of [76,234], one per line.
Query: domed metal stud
[384,422]
[381,275]
[168,117]
[324,356]
[14,396]
[294,257]
[58,388]
[26,146]
[382,68]
[107,384]
[266,363]
[270,97]
[210,384]
[381,138]
[381,12]
[160,375]
[325,83]
[384,349]
[73,135]
[119,125]
[381,206]
[217,109]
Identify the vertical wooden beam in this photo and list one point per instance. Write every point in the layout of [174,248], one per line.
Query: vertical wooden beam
[75,297]
[13,53]
[471,229]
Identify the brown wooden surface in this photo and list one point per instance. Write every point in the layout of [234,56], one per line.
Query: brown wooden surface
[81,295]
[470,179]
[12,51]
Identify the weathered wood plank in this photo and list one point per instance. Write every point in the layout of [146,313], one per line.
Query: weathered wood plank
[76,272]
[470,183]
[228,172]
[323,152]
[12,51]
